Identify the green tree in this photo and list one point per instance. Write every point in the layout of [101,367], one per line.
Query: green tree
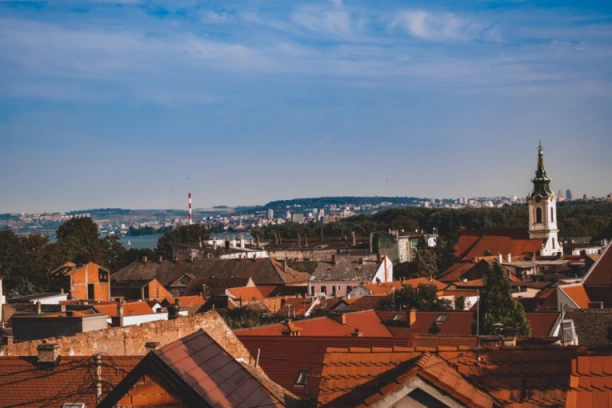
[423,298]
[460,303]
[426,262]
[185,234]
[496,305]
[79,240]
[445,253]
[113,253]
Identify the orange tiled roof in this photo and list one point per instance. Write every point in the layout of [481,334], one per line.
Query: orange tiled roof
[577,294]
[360,377]
[476,283]
[362,303]
[187,301]
[456,271]
[590,382]
[246,293]
[22,384]
[501,241]
[129,309]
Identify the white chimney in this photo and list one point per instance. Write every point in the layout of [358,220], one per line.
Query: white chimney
[509,258]
[500,258]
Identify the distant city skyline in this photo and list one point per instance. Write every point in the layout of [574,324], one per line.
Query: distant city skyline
[133,104]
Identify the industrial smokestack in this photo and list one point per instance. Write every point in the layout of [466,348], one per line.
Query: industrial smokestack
[190,213]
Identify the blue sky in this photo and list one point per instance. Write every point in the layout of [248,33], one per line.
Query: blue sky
[134,103]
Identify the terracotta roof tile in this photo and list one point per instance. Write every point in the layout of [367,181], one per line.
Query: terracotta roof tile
[247,293]
[502,241]
[22,384]
[129,309]
[578,294]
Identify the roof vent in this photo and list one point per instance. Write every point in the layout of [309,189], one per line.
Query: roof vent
[74,405]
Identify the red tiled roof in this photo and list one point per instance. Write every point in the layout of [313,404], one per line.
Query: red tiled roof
[246,293]
[456,271]
[600,273]
[129,309]
[363,303]
[360,377]
[283,358]
[590,382]
[187,301]
[476,283]
[22,384]
[578,294]
[501,241]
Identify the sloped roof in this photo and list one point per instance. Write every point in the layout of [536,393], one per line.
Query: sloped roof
[264,271]
[591,325]
[283,358]
[600,273]
[347,268]
[246,293]
[590,382]
[204,374]
[347,382]
[457,270]
[499,241]
[69,268]
[363,303]
[188,301]
[578,294]
[23,384]
[386,288]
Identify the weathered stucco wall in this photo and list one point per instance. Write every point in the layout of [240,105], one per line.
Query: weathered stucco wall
[125,341]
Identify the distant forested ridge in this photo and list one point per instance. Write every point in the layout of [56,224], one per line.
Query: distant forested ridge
[321,202]
[575,219]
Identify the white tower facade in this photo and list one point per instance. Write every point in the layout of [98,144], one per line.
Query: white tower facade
[543,211]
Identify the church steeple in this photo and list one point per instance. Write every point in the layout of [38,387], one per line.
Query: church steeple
[543,210]
[541,181]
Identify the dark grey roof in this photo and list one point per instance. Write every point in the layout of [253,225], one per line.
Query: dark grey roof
[592,325]
[263,271]
[347,268]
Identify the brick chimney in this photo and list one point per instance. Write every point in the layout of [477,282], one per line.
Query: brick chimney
[48,356]
[334,259]
[412,316]
[144,259]
[379,257]
[360,261]
[151,346]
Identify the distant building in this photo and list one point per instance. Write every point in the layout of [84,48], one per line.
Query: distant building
[82,282]
[338,276]
[270,214]
[297,218]
[560,195]
[43,325]
[568,194]
[401,246]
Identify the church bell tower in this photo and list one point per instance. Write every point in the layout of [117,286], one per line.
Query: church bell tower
[543,211]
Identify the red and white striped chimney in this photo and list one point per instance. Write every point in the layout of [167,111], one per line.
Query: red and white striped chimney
[190,214]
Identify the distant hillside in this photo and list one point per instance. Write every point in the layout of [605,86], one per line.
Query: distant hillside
[321,202]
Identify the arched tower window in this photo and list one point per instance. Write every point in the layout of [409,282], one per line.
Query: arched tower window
[538,215]
[552,214]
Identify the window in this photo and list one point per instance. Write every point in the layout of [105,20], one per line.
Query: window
[538,215]
[103,276]
[312,291]
[399,316]
[552,214]
[324,290]
[349,289]
[441,318]
[333,290]
[302,379]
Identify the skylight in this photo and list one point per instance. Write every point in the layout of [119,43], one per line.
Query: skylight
[302,379]
[441,318]
[399,316]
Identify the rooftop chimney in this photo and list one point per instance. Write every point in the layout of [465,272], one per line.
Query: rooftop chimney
[284,265]
[354,238]
[360,261]
[144,259]
[509,258]
[412,316]
[379,257]
[62,291]
[38,307]
[120,308]
[152,345]
[357,333]
[48,356]
[214,243]
[500,258]
[242,244]
[334,259]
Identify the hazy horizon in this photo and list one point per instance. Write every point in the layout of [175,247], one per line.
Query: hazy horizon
[134,103]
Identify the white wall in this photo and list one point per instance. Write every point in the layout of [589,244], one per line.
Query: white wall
[139,319]
[51,300]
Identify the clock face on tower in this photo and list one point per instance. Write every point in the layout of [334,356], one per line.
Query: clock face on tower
[538,199]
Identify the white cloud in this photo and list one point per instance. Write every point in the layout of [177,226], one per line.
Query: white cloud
[216,17]
[438,27]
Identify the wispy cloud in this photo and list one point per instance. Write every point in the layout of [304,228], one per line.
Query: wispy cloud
[440,27]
